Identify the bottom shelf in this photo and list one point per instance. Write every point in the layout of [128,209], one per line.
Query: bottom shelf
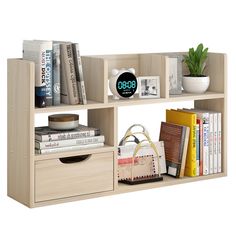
[167,181]
[124,188]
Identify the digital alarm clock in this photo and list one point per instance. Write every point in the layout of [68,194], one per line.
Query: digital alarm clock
[123,83]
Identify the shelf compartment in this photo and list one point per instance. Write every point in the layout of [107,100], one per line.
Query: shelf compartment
[66,177]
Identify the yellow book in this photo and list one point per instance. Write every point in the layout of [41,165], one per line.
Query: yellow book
[186,119]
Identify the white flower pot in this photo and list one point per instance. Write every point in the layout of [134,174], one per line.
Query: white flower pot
[195,84]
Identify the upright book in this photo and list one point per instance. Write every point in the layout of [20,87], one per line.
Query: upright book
[56,75]
[69,89]
[176,138]
[40,52]
[189,120]
[79,74]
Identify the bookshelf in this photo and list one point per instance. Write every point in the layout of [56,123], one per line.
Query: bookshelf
[38,180]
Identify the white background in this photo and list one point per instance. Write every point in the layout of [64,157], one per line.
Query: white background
[106,27]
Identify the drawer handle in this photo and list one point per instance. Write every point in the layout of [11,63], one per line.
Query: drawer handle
[74,159]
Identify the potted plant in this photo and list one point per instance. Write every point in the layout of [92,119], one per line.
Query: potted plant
[196,81]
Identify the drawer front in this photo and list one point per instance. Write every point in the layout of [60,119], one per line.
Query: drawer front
[60,178]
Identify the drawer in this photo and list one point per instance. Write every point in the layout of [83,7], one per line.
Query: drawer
[73,176]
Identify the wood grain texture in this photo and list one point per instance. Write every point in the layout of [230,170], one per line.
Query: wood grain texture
[54,179]
[95,77]
[104,120]
[20,130]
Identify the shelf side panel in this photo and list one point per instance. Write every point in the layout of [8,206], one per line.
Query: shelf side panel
[20,130]
[104,119]
[216,68]
[154,64]
[94,77]
[218,105]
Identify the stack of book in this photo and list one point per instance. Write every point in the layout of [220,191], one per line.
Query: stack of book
[58,72]
[204,146]
[52,141]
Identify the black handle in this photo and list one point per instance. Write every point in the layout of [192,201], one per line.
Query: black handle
[74,159]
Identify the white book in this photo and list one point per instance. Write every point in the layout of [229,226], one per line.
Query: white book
[219,157]
[40,52]
[211,143]
[69,142]
[215,144]
[69,148]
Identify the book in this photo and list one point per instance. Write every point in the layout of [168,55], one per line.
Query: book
[205,117]
[69,89]
[69,148]
[186,119]
[45,134]
[145,162]
[197,148]
[69,142]
[40,52]
[199,121]
[175,139]
[56,84]
[219,142]
[79,74]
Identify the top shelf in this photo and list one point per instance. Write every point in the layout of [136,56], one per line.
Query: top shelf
[128,102]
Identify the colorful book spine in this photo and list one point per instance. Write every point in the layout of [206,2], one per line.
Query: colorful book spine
[69,148]
[219,157]
[69,89]
[199,121]
[79,74]
[197,149]
[70,142]
[211,143]
[205,148]
[56,75]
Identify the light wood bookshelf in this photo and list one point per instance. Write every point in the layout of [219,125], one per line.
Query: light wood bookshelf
[39,180]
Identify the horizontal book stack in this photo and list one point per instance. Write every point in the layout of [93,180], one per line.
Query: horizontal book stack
[58,72]
[204,147]
[53,141]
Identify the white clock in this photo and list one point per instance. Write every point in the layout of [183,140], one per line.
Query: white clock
[123,83]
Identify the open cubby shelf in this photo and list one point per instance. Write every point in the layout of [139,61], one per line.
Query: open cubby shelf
[37,180]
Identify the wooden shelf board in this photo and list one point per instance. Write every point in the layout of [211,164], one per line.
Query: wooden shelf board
[64,107]
[173,98]
[41,157]
[167,181]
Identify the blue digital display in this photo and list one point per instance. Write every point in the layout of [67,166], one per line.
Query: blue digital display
[126,84]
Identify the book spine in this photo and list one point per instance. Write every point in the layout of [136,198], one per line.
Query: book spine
[197,150]
[69,148]
[200,146]
[56,75]
[69,94]
[193,166]
[205,149]
[211,145]
[48,75]
[79,74]
[36,53]
[215,144]
[70,142]
[67,136]
[219,157]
